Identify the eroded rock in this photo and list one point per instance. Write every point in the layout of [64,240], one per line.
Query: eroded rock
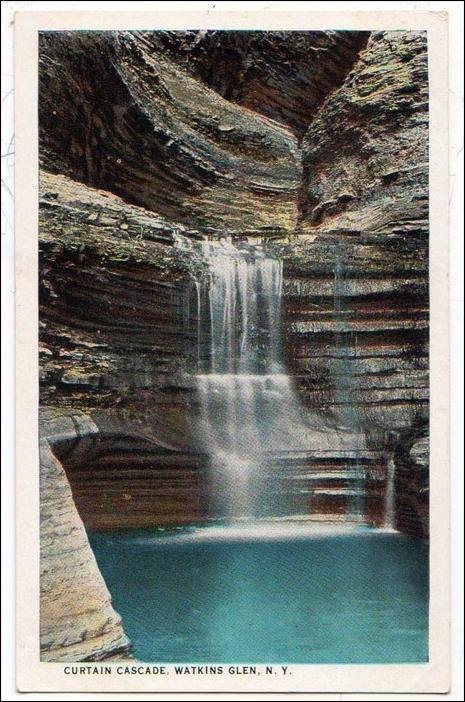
[77,621]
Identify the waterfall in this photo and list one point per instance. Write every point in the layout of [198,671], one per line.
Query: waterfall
[265,456]
[390,497]
[244,297]
[248,406]
[345,343]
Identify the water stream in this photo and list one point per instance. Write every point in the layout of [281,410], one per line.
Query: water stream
[390,498]
[248,405]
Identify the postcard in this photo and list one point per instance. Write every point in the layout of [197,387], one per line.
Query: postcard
[232,351]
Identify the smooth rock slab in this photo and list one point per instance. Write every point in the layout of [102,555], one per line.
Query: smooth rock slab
[77,620]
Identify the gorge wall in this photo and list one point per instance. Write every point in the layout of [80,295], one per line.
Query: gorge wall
[357,290]
[149,141]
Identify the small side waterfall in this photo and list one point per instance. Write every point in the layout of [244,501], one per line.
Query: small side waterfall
[345,343]
[248,406]
[390,497]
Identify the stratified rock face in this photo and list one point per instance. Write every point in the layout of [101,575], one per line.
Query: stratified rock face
[365,156]
[117,114]
[112,297]
[357,290]
[77,621]
[128,468]
[356,279]
[282,75]
[357,329]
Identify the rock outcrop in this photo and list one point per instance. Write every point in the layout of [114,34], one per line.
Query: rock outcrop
[77,621]
[357,273]
[282,75]
[365,155]
[112,297]
[129,120]
[132,467]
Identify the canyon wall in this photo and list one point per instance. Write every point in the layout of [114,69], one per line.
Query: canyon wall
[151,141]
[357,273]
[129,120]
[282,75]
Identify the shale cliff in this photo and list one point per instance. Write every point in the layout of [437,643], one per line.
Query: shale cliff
[129,120]
[282,75]
[315,142]
[357,273]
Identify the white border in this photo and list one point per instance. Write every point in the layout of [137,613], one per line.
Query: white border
[375,21]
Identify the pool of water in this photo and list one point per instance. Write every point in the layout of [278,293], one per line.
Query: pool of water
[283,594]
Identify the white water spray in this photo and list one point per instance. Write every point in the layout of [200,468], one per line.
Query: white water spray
[390,497]
[248,406]
[251,425]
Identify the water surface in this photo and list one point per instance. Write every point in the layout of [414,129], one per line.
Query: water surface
[278,595]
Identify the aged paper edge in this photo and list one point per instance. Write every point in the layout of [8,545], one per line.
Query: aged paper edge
[32,675]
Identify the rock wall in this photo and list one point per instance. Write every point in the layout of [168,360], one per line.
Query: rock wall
[282,75]
[356,283]
[129,120]
[112,297]
[365,155]
[124,472]
[355,266]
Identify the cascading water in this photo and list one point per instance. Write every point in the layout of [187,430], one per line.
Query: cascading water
[346,356]
[248,407]
[389,500]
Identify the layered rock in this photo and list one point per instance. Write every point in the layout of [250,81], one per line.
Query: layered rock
[129,120]
[358,340]
[77,621]
[112,297]
[128,469]
[356,282]
[148,469]
[365,156]
[282,75]
[355,272]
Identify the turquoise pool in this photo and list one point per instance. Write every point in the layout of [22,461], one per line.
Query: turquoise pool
[279,595]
